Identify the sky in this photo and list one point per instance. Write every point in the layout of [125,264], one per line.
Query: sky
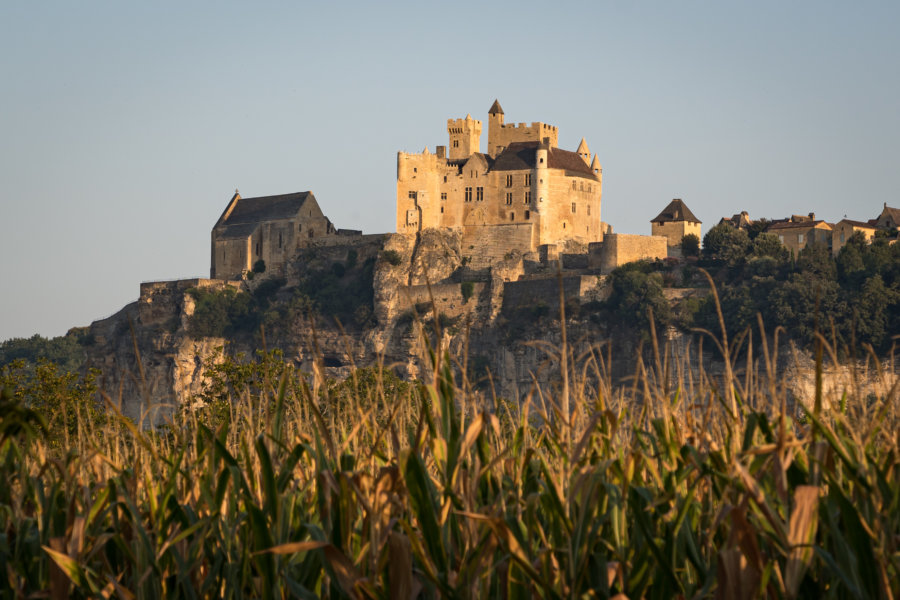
[125,127]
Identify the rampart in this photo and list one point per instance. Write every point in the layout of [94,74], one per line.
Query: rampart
[488,244]
[618,249]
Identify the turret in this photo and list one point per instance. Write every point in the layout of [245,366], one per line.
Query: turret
[465,136]
[495,123]
[583,152]
[595,166]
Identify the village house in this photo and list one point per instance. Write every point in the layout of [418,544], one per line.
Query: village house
[799,231]
[845,228]
[888,219]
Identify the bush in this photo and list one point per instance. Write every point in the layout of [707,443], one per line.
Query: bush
[392,257]
[466,288]
[259,266]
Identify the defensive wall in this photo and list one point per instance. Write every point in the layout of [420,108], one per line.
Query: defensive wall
[618,249]
[160,301]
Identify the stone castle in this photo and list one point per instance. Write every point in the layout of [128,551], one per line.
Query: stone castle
[524,188]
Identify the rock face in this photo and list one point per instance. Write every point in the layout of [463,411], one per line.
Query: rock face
[375,300]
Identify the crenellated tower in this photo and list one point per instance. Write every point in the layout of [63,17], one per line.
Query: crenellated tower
[465,137]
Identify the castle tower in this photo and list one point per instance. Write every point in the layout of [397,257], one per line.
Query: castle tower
[465,137]
[495,123]
[595,166]
[583,152]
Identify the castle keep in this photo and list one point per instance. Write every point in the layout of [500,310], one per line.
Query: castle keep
[525,191]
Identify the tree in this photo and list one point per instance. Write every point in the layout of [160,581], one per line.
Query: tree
[768,244]
[725,243]
[633,293]
[690,245]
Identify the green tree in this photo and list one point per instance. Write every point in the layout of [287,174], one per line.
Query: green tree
[768,244]
[633,293]
[725,243]
[690,245]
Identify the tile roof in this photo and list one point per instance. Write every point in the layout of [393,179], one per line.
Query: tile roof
[795,225]
[867,225]
[676,210]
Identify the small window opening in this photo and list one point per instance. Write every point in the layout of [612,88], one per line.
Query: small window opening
[512,216]
[527,214]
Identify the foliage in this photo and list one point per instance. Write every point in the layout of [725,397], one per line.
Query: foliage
[726,243]
[66,351]
[392,257]
[466,288]
[259,266]
[634,291]
[219,313]
[690,245]
[66,403]
[347,294]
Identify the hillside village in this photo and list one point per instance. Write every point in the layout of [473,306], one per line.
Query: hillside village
[485,243]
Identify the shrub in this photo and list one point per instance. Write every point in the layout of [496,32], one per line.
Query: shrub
[392,257]
[259,266]
[466,288]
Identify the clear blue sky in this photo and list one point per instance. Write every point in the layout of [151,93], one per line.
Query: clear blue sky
[125,127]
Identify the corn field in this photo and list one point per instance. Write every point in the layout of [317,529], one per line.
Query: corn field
[681,484]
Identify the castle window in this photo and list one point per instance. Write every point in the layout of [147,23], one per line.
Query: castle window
[527,178]
[589,209]
[582,186]
[542,160]
[443,196]
[509,180]
[456,143]
[509,197]
[442,210]
[512,216]
[299,227]
[479,194]
[573,208]
[279,240]
[800,238]
[528,197]
[257,248]
[589,187]
[468,194]
[415,170]
[574,185]
[527,214]
[445,179]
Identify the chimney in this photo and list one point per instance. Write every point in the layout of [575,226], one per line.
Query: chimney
[812,216]
[440,151]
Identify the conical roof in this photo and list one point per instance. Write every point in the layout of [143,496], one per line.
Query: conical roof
[495,108]
[595,165]
[676,211]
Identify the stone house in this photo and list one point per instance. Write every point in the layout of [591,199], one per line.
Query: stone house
[845,228]
[674,222]
[888,219]
[799,231]
[738,221]
[522,193]
[268,228]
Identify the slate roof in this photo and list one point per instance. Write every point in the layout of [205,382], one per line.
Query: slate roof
[676,211]
[495,108]
[266,208]
[894,213]
[236,232]
[519,156]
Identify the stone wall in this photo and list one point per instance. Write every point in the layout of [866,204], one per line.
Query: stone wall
[488,244]
[530,292]
[618,249]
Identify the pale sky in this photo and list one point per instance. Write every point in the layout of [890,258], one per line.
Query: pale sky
[126,127]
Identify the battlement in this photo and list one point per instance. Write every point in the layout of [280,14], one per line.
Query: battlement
[463,125]
[537,125]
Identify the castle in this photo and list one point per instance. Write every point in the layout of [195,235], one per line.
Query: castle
[524,190]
